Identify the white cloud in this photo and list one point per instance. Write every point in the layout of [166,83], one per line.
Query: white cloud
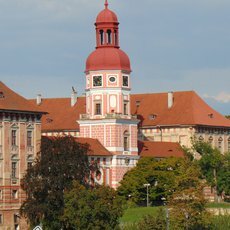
[222,97]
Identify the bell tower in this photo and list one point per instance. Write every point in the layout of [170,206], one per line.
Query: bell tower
[108,87]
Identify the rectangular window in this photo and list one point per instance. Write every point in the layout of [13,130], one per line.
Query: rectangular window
[125,81]
[29,138]
[1,219]
[126,144]
[229,146]
[13,137]
[125,108]
[15,194]
[14,169]
[1,194]
[98,109]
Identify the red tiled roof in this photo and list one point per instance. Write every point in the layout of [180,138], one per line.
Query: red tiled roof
[188,109]
[159,149]
[61,115]
[96,148]
[11,101]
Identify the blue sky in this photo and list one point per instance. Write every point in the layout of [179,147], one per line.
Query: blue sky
[174,45]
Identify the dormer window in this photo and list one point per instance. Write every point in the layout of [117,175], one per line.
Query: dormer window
[211,115]
[1,94]
[152,117]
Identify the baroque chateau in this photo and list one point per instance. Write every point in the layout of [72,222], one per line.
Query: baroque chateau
[119,127]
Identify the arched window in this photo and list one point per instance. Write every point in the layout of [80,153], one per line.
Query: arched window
[102,36]
[126,141]
[109,39]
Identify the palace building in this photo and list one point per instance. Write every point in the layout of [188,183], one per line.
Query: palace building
[119,127]
[20,135]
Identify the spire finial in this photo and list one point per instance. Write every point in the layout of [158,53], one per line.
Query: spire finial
[106,4]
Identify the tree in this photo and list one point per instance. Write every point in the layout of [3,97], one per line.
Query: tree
[98,208]
[153,222]
[164,177]
[223,177]
[187,209]
[60,161]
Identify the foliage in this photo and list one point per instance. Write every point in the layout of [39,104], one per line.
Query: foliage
[187,209]
[60,161]
[223,176]
[210,161]
[164,176]
[98,208]
[215,167]
[153,222]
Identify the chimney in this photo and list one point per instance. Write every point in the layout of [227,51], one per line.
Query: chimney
[39,99]
[73,97]
[170,100]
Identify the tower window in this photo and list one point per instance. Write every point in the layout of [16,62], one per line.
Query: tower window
[126,141]
[109,40]
[102,37]
[98,109]
[125,81]
[97,81]
[125,108]
[115,38]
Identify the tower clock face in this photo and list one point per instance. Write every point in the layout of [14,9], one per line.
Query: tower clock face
[125,81]
[97,81]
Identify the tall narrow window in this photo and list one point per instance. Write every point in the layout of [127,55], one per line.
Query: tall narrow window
[29,138]
[126,141]
[115,38]
[1,219]
[98,109]
[109,39]
[13,137]
[102,37]
[14,169]
[125,108]
[229,146]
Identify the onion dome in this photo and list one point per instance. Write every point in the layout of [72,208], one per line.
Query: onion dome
[108,59]
[108,55]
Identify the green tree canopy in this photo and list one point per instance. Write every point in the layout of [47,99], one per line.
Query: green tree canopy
[92,209]
[164,176]
[60,161]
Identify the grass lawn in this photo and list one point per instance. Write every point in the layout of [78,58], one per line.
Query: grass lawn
[133,215]
[218,205]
